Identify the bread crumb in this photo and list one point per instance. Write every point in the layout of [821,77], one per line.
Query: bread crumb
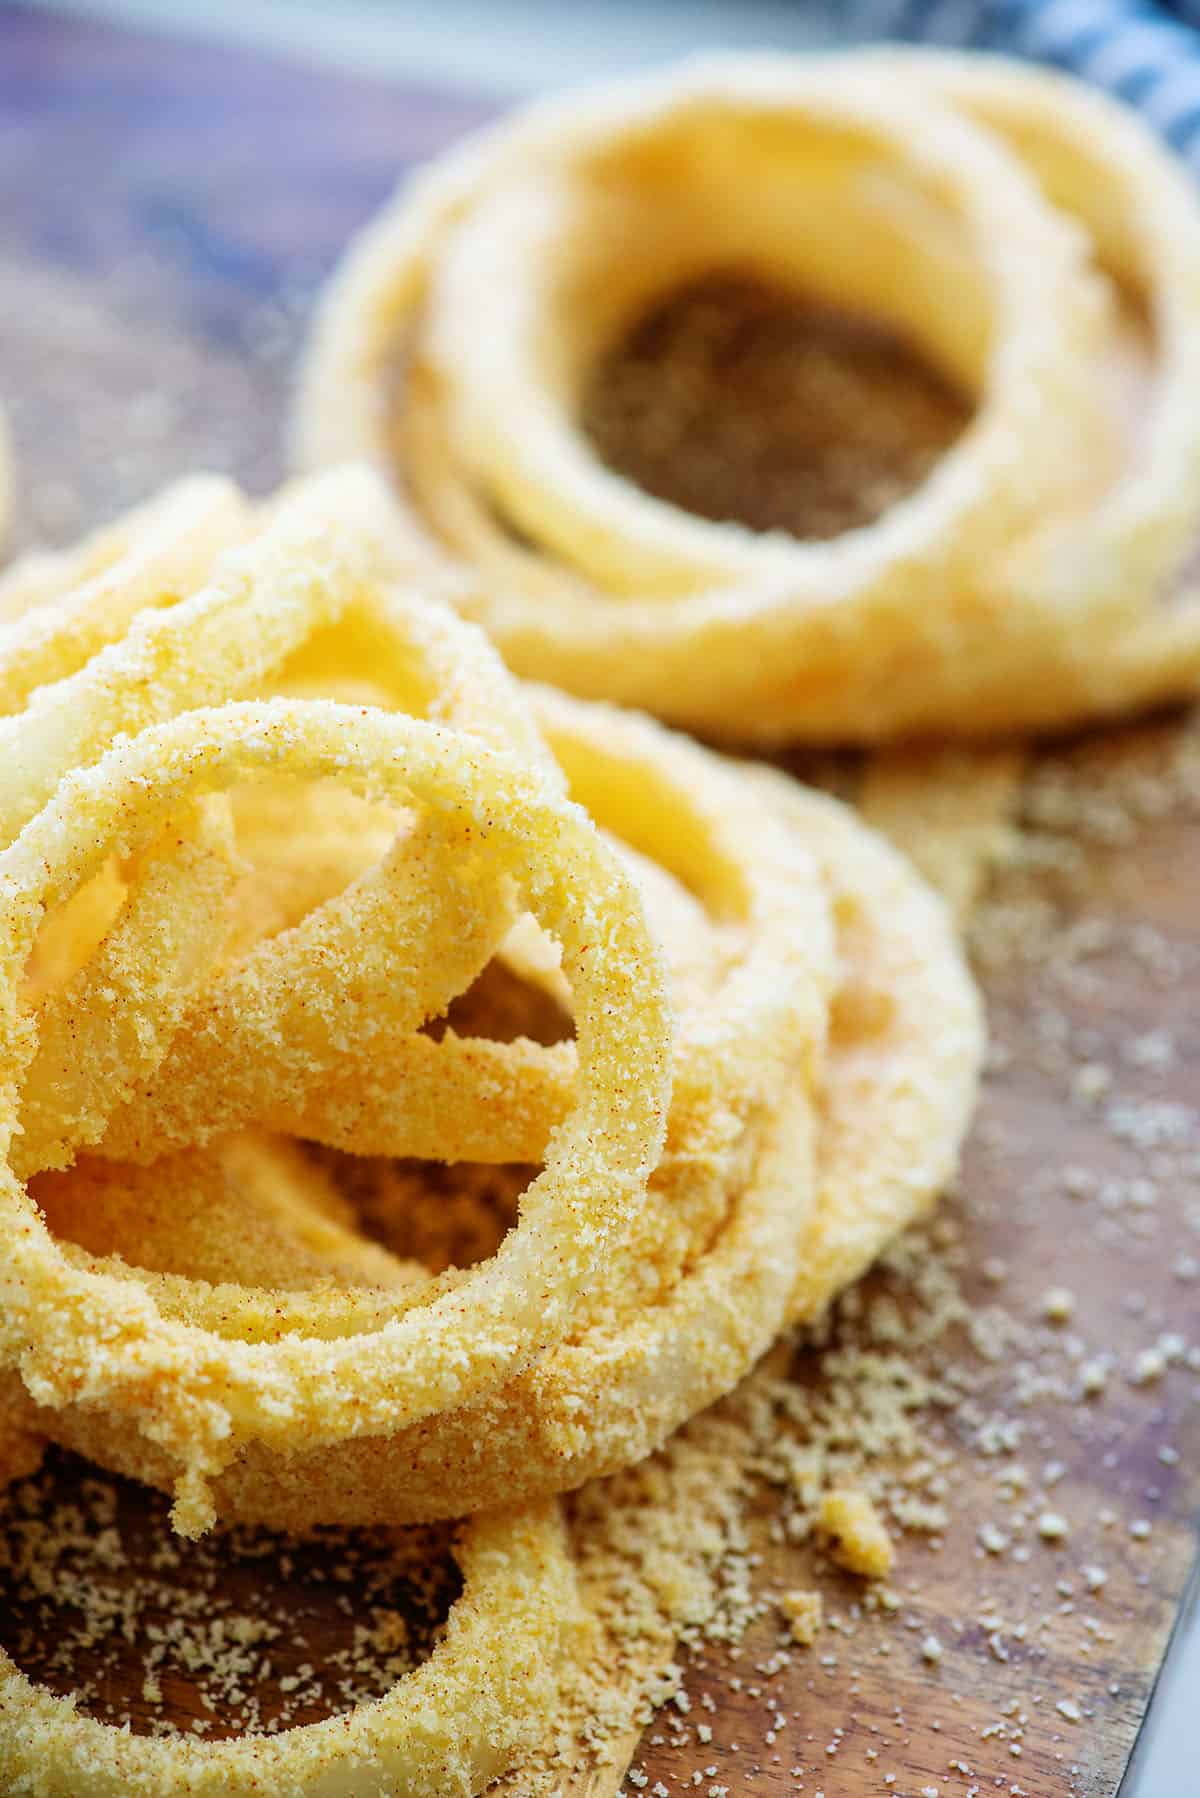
[1093,1378]
[1058,1304]
[804,1612]
[854,1533]
[1149,1366]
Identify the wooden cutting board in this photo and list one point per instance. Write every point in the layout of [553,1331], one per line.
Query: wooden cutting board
[168,211]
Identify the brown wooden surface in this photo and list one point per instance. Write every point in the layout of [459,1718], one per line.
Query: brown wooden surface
[167,211]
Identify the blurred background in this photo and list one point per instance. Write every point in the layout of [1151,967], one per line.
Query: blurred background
[1145,51]
[501,47]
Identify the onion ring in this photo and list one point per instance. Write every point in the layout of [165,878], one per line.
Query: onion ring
[1099,162]
[710,624]
[75,1337]
[573,214]
[428,661]
[493,1678]
[649,1274]
[444,1731]
[324,545]
[250,1214]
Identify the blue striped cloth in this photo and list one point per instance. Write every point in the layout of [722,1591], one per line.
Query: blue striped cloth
[1146,54]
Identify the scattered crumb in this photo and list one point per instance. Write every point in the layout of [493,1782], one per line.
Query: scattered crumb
[804,1613]
[854,1533]
[1058,1305]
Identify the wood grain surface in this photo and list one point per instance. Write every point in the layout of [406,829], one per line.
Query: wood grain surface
[168,212]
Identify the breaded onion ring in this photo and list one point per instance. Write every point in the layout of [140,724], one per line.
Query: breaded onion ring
[570,218]
[76,1337]
[256,1209]
[254,624]
[443,1731]
[1110,565]
[1020,586]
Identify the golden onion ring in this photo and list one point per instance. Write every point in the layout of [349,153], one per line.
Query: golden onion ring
[268,623]
[935,227]
[75,1337]
[493,1678]
[443,1731]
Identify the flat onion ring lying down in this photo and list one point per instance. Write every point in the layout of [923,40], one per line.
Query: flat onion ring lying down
[1022,585]
[741,1233]
[445,1731]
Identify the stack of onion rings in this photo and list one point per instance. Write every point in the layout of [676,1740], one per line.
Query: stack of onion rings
[172,980]
[984,209]
[267,812]
[667,1333]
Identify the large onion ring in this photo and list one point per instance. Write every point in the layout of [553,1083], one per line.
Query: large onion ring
[706,623]
[1044,611]
[75,1337]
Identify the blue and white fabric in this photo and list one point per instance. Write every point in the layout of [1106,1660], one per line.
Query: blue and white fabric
[1147,54]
